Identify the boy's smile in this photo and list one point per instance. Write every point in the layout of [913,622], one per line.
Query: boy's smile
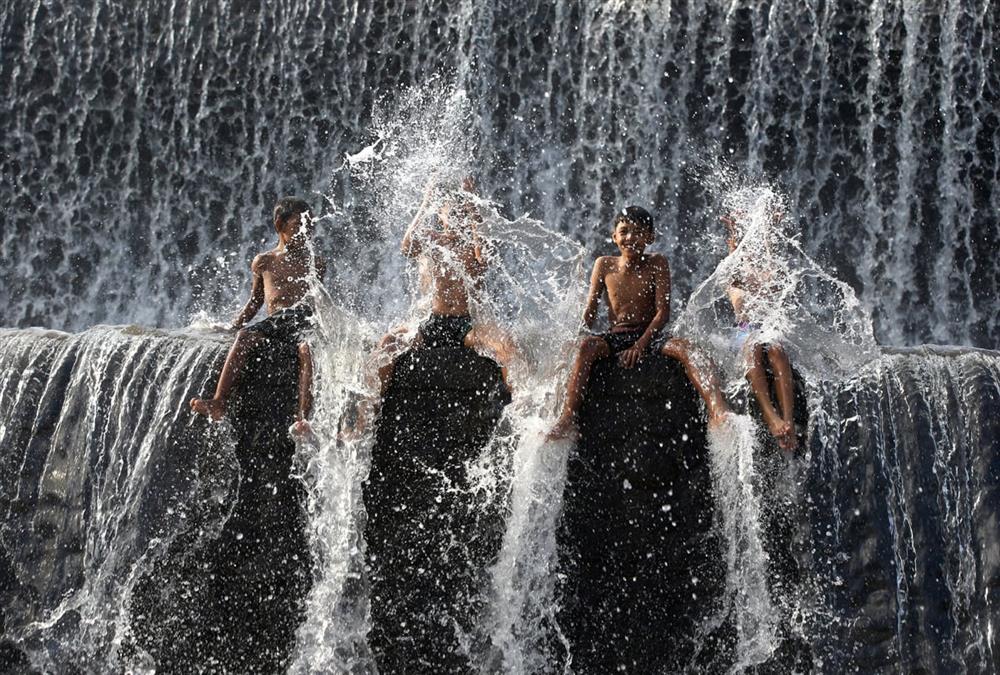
[631,239]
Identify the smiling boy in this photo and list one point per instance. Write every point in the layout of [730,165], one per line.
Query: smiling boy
[636,286]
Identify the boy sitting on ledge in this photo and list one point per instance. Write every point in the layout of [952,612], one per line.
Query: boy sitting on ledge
[450,255]
[637,287]
[281,279]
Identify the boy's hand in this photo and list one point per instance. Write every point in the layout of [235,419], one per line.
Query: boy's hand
[631,356]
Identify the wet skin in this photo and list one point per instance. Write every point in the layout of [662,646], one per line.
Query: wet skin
[636,287]
[280,280]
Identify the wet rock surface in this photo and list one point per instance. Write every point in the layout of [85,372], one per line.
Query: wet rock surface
[641,561]
[232,599]
[430,534]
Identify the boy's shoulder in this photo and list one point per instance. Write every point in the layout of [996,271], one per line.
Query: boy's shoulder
[657,260]
[606,262]
[261,261]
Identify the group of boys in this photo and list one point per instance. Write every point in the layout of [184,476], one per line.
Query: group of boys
[635,285]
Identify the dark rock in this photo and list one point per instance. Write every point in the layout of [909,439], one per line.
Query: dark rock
[234,599]
[639,552]
[430,535]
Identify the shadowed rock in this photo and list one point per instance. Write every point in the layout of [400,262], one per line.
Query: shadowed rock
[642,565]
[430,534]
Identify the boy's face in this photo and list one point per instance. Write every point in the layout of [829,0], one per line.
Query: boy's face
[631,238]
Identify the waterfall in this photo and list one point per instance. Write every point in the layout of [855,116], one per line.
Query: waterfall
[103,472]
[145,143]
[162,133]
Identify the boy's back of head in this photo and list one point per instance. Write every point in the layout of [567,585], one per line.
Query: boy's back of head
[287,207]
[636,215]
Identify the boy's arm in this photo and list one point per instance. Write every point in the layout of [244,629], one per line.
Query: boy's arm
[410,245]
[661,281]
[594,294]
[253,305]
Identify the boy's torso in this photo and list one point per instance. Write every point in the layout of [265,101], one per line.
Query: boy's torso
[445,276]
[631,292]
[286,277]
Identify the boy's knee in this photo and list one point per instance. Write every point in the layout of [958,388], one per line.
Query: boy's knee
[592,347]
[304,351]
[678,348]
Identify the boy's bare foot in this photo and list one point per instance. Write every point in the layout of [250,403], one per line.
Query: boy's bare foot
[783,432]
[213,408]
[717,418]
[301,429]
[563,429]
[787,440]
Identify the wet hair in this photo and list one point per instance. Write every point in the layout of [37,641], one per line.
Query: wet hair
[286,207]
[636,215]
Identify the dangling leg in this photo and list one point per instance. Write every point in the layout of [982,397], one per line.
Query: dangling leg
[757,376]
[784,383]
[494,342]
[215,407]
[301,425]
[702,374]
[591,349]
[377,376]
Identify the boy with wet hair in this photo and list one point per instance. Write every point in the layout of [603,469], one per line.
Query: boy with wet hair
[747,286]
[636,286]
[451,259]
[281,279]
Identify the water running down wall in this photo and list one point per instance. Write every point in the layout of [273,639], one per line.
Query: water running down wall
[155,137]
[894,530]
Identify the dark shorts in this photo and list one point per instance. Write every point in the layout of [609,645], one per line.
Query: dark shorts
[445,331]
[619,342]
[287,325]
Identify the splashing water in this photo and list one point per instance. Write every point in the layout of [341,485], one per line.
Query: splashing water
[747,598]
[529,294]
[788,297]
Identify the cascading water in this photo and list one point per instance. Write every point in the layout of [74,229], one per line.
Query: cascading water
[185,121]
[109,477]
[162,133]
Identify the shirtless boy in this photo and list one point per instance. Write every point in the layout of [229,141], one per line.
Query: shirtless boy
[280,279]
[637,288]
[751,286]
[451,257]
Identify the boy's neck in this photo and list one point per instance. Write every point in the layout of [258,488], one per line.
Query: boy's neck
[631,259]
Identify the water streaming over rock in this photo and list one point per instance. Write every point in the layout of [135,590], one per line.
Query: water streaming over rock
[144,146]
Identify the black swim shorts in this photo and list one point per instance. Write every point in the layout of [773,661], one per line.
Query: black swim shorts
[619,342]
[287,325]
[445,331]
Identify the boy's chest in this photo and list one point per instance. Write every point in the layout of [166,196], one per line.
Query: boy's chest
[629,286]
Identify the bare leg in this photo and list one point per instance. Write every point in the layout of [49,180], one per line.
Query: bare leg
[305,389]
[215,407]
[701,372]
[757,376]
[389,348]
[591,349]
[785,385]
[495,343]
